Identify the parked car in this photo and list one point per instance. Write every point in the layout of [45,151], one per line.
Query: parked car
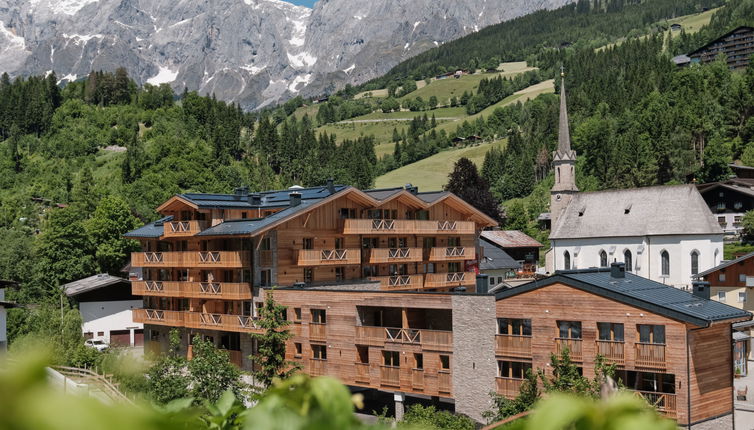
[98,344]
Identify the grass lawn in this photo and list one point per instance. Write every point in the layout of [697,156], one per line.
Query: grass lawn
[431,174]
[448,112]
[692,23]
[107,168]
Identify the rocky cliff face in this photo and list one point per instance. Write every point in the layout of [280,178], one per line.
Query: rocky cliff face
[254,52]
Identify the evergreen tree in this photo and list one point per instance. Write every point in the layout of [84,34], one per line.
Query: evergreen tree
[465,182]
[270,360]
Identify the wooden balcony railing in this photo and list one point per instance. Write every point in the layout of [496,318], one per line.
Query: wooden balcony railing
[508,387]
[444,381]
[328,257]
[513,346]
[417,379]
[156,316]
[362,373]
[650,355]
[394,226]
[317,367]
[218,290]
[448,280]
[200,259]
[395,255]
[184,228]
[573,346]
[399,282]
[317,331]
[665,403]
[265,258]
[613,351]
[439,340]
[452,253]
[239,323]
[390,375]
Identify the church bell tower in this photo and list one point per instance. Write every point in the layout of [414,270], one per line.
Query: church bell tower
[563,163]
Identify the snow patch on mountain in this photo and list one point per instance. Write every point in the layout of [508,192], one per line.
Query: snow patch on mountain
[164,76]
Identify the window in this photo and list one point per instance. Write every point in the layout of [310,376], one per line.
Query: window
[567,260]
[299,349]
[319,352]
[454,241]
[628,260]
[651,333]
[665,263]
[297,315]
[515,327]
[347,213]
[243,215]
[610,331]
[340,273]
[418,361]
[308,243]
[266,244]
[319,316]
[512,369]
[694,262]
[308,275]
[569,329]
[339,243]
[429,242]
[444,362]
[721,277]
[721,296]
[391,358]
[742,297]
[742,277]
[266,278]
[454,267]
[603,258]
[362,354]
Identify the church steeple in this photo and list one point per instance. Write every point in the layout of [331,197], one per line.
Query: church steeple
[563,162]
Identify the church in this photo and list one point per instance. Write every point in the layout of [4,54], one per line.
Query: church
[664,233]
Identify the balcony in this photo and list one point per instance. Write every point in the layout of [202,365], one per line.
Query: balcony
[450,280]
[613,351]
[444,381]
[317,367]
[650,355]
[184,228]
[399,282]
[198,259]
[235,357]
[362,373]
[438,340]
[206,290]
[160,317]
[452,253]
[390,375]
[573,346]
[395,255]
[328,257]
[665,403]
[394,226]
[513,346]
[417,379]
[317,331]
[209,321]
[508,387]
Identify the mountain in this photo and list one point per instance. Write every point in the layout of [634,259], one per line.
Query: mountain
[254,52]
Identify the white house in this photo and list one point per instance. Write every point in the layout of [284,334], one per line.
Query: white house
[664,233]
[105,303]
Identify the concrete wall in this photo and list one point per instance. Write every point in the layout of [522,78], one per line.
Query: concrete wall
[108,316]
[474,367]
[721,423]
[585,253]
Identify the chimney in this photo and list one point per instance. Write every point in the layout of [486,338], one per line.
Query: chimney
[412,189]
[700,289]
[618,270]
[482,283]
[255,199]
[295,199]
[331,185]
[241,192]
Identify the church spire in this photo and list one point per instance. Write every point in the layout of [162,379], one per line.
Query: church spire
[564,132]
[563,163]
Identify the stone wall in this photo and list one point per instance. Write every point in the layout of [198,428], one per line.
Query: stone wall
[474,367]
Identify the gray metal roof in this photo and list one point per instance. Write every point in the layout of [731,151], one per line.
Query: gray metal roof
[724,264]
[269,199]
[431,196]
[640,292]
[91,283]
[495,258]
[650,211]
[250,226]
[153,229]
[383,193]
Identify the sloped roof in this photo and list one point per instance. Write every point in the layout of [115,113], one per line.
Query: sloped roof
[152,230]
[495,258]
[251,226]
[510,239]
[650,211]
[720,38]
[640,292]
[269,199]
[735,186]
[724,264]
[91,283]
